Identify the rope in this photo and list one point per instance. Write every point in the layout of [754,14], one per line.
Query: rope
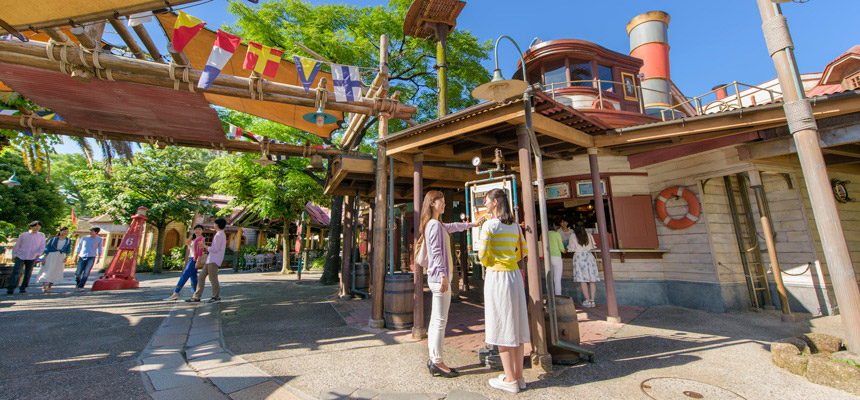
[799,115]
[808,265]
[776,34]
[738,273]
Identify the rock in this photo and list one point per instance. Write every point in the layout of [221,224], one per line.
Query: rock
[796,364]
[789,346]
[840,375]
[821,343]
[846,355]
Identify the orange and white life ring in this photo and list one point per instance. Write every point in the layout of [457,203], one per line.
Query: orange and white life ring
[694,209]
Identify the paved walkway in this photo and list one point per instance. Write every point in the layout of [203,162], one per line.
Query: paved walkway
[275,338]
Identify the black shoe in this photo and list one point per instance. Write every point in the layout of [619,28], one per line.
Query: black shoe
[213,300]
[22,290]
[10,291]
[434,370]
[192,300]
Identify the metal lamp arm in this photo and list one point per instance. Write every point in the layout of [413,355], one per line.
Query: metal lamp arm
[519,51]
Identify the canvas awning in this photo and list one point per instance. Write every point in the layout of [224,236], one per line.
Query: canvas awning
[198,52]
[24,15]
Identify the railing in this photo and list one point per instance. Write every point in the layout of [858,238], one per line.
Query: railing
[729,102]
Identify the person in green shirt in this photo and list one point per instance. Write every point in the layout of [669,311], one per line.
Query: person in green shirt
[556,247]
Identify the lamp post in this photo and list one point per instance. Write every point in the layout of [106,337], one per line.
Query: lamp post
[11,182]
[500,89]
[804,130]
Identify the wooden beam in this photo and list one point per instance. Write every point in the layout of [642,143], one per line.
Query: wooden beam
[749,118]
[656,156]
[34,54]
[547,126]
[141,32]
[439,133]
[829,138]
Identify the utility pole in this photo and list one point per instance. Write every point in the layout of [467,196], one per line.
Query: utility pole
[801,124]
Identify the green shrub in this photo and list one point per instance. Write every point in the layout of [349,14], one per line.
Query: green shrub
[317,263]
[175,259]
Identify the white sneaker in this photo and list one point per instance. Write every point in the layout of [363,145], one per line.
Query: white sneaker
[174,296]
[500,384]
[521,382]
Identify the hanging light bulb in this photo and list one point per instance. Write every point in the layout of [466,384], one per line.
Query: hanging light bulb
[320,117]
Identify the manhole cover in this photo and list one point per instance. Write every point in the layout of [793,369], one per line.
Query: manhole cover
[684,389]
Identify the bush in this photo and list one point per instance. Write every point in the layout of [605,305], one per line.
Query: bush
[147,263]
[271,244]
[175,260]
[317,263]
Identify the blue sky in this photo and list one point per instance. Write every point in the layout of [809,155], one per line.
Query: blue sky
[712,42]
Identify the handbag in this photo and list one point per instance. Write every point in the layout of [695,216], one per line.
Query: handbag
[421,258]
[201,261]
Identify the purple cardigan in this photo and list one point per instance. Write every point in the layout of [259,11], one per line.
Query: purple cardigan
[437,252]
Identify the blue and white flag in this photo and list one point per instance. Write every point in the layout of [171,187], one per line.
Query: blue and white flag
[347,82]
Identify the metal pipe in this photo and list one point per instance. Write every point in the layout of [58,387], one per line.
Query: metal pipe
[827,219]
[390,228]
[418,330]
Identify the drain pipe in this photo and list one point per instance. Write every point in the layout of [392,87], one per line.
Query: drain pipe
[550,285]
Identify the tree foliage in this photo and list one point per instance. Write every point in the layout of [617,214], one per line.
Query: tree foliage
[348,34]
[34,199]
[65,167]
[168,182]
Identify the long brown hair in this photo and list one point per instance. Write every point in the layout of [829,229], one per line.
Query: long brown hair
[581,235]
[503,209]
[426,210]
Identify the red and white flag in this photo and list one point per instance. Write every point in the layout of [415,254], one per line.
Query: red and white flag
[225,45]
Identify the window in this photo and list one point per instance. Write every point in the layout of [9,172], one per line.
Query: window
[580,70]
[604,73]
[534,75]
[853,82]
[555,74]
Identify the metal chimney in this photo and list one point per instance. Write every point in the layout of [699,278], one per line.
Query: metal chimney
[649,41]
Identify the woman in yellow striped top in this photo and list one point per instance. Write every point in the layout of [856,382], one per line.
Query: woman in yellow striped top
[506,320]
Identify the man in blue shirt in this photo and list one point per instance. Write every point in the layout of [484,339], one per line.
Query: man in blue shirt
[88,251]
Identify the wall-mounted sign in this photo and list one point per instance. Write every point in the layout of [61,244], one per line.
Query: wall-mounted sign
[586,189]
[557,191]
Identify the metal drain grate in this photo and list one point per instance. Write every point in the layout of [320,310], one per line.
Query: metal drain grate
[666,388]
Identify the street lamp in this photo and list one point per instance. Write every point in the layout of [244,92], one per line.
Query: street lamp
[11,182]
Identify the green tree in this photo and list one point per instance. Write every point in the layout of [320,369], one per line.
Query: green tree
[275,192]
[34,199]
[168,182]
[64,167]
[350,35]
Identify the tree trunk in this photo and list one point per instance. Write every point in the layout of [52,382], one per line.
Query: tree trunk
[159,249]
[285,265]
[332,257]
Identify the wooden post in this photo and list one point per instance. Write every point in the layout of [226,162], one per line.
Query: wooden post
[540,356]
[442,67]
[464,251]
[346,259]
[805,132]
[141,32]
[380,216]
[450,217]
[605,256]
[419,331]
[764,212]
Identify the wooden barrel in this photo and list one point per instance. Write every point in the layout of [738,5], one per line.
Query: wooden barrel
[568,331]
[5,274]
[397,302]
[362,277]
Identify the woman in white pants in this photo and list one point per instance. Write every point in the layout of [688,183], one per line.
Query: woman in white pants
[435,235]
[556,247]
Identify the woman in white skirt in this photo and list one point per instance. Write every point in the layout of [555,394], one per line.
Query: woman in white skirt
[57,250]
[435,236]
[584,265]
[500,247]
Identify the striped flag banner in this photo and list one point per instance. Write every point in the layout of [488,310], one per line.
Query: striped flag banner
[224,47]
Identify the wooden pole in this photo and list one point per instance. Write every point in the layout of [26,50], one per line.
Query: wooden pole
[141,32]
[380,216]
[147,72]
[540,356]
[419,331]
[464,251]
[842,275]
[442,67]
[346,260]
[123,33]
[449,217]
[83,38]
[605,256]
[764,212]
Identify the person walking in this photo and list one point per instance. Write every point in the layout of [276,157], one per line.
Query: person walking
[56,252]
[435,237]
[216,256]
[89,252]
[500,247]
[584,265]
[196,245]
[556,247]
[27,249]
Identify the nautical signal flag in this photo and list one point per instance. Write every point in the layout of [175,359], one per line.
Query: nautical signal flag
[184,29]
[235,132]
[308,70]
[262,59]
[225,45]
[347,82]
